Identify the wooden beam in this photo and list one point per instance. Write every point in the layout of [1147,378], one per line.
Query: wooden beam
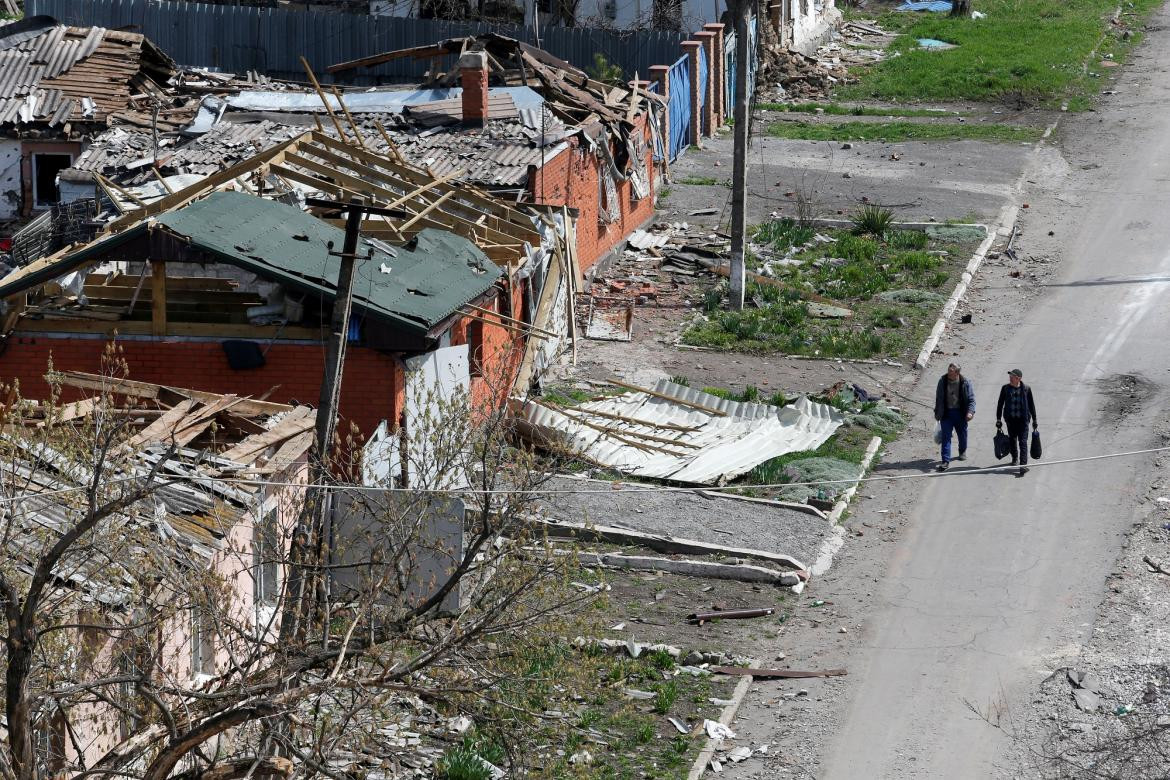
[158,298]
[427,209]
[212,182]
[417,52]
[672,399]
[352,124]
[324,100]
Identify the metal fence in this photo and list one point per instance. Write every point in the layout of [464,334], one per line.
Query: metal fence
[679,79]
[237,39]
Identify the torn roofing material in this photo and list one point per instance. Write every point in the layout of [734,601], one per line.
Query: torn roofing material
[423,283]
[53,73]
[671,438]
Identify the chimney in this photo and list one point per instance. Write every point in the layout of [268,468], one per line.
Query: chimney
[473,73]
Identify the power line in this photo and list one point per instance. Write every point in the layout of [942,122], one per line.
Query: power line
[625,487]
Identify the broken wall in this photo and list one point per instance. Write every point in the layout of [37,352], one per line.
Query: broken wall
[372,390]
[9,179]
[573,179]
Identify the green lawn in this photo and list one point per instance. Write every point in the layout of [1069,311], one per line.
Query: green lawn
[902,131]
[1028,52]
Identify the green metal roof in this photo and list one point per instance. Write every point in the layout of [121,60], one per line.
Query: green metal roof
[416,287]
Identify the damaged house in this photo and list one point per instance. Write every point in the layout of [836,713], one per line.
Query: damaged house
[61,87]
[228,285]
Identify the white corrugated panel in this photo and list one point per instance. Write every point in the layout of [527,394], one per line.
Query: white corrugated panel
[720,448]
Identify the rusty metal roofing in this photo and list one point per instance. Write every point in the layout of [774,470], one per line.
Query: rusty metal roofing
[711,450]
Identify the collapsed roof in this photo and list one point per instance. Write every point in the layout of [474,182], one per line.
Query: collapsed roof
[54,74]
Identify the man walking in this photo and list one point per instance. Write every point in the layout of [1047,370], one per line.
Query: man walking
[954,407]
[1017,408]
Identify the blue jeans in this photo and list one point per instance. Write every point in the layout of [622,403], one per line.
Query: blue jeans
[954,420]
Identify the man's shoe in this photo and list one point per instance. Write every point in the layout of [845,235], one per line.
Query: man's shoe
[1023,471]
[962,456]
[946,464]
[1015,461]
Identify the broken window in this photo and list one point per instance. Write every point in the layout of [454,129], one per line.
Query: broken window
[45,168]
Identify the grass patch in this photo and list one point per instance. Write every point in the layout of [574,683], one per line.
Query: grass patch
[892,132]
[890,283]
[700,181]
[1023,53]
[836,109]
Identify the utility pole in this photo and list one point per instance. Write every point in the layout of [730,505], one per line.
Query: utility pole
[739,164]
[306,585]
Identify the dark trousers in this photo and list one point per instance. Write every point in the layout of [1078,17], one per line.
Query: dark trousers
[954,420]
[1017,429]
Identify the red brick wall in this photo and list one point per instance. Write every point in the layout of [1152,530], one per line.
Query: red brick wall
[497,351]
[372,388]
[571,179]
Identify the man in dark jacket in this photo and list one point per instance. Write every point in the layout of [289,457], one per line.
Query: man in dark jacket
[954,407]
[1017,408]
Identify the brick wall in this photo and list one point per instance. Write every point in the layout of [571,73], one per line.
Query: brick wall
[571,179]
[496,352]
[372,388]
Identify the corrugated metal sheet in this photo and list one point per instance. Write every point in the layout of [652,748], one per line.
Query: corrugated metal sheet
[722,447]
[426,284]
[269,40]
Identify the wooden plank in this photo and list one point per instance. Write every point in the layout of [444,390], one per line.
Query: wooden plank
[82,408]
[427,209]
[486,202]
[417,52]
[299,420]
[160,428]
[138,389]
[324,100]
[289,452]
[708,409]
[158,298]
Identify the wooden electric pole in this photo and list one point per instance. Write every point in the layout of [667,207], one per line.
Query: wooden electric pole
[739,163]
[306,585]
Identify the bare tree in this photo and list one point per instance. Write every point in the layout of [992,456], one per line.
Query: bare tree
[142,589]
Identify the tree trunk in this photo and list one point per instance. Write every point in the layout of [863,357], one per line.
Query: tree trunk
[961,8]
[16,706]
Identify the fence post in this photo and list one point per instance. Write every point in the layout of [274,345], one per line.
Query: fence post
[719,72]
[707,40]
[692,50]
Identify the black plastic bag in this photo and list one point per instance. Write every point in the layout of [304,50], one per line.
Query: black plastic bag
[1003,445]
[1035,449]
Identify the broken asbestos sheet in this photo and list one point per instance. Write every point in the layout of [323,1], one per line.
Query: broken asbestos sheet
[680,434]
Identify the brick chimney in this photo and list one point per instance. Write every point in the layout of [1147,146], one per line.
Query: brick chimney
[473,73]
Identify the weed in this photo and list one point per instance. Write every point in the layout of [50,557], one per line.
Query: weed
[660,660]
[712,300]
[665,696]
[750,394]
[873,221]
[893,132]
[680,380]
[886,317]
[782,234]
[778,399]
[908,239]
[663,193]
[461,763]
[700,181]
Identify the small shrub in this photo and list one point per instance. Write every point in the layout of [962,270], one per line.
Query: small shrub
[680,380]
[460,763]
[712,300]
[873,221]
[750,395]
[778,399]
[605,71]
[783,233]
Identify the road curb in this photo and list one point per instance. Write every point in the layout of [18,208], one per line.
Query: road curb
[737,697]
[836,539]
[1007,218]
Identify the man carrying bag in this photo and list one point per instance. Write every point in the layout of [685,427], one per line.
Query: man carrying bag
[1017,408]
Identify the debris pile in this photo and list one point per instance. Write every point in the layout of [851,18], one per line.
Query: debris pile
[797,76]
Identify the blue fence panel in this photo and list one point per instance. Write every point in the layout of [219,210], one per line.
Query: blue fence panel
[679,79]
[271,40]
[729,57]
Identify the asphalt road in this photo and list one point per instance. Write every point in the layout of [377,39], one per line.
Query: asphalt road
[997,575]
